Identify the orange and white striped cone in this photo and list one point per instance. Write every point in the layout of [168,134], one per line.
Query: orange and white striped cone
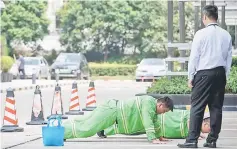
[74,107]
[10,121]
[57,105]
[91,98]
[37,114]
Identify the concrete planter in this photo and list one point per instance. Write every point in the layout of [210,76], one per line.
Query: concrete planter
[182,100]
[6,77]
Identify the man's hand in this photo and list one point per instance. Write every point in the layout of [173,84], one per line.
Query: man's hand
[190,83]
[164,139]
[157,141]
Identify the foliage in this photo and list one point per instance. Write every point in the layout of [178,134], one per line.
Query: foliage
[106,69]
[6,63]
[4,48]
[234,61]
[178,85]
[50,57]
[231,86]
[24,21]
[118,26]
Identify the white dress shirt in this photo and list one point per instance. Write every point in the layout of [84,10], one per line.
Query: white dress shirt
[211,47]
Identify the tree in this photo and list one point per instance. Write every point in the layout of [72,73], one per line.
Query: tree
[24,21]
[113,26]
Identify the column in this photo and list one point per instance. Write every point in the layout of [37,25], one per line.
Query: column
[203,4]
[235,36]
[223,17]
[196,19]
[182,30]
[170,32]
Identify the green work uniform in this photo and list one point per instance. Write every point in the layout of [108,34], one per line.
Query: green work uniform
[132,115]
[171,124]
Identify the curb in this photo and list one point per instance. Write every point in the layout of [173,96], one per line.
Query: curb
[42,86]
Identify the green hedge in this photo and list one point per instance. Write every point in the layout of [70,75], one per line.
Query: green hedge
[234,61]
[105,69]
[6,63]
[178,85]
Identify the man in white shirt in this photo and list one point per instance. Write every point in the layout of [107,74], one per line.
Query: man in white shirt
[209,66]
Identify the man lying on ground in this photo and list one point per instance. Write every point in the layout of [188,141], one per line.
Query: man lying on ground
[131,115]
[172,125]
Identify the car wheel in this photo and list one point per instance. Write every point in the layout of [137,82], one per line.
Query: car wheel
[138,80]
[86,78]
[52,77]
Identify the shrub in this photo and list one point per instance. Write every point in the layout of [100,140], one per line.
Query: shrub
[106,69]
[231,86]
[6,63]
[234,61]
[178,85]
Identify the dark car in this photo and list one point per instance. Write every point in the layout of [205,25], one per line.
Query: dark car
[70,65]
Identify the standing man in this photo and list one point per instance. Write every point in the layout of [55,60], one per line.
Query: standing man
[209,65]
[21,66]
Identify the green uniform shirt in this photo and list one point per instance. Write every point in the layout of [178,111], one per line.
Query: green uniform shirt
[169,125]
[138,115]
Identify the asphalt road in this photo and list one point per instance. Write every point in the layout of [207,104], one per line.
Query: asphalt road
[121,91]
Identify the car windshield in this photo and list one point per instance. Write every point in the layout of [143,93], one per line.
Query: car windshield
[71,58]
[152,62]
[31,61]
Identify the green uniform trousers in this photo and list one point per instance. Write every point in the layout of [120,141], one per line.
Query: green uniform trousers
[86,126]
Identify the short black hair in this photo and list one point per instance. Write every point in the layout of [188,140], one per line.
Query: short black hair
[167,101]
[211,11]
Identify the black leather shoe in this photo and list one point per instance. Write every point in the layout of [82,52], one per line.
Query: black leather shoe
[101,134]
[210,145]
[188,145]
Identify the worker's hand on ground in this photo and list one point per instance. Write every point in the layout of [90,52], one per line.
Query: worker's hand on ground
[157,141]
[164,139]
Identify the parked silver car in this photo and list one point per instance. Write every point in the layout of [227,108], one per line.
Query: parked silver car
[37,65]
[150,68]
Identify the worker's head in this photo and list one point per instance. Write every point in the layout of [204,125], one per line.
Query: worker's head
[164,104]
[206,125]
[210,14]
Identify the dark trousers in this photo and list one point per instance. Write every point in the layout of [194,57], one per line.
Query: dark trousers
[208,89]
[23,73]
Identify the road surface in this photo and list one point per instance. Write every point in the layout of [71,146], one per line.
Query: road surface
[30,138]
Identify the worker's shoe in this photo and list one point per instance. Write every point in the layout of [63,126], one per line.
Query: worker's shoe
[101,134]
[210,144]
[188,145]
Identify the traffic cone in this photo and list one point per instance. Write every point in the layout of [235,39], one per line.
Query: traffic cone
[10,121]
[74,107]
[37,114]
[91,99]
[57,105]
